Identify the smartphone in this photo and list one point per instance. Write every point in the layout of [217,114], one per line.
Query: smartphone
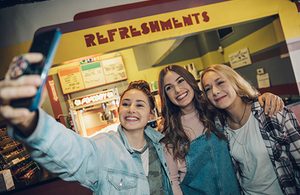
[45,42]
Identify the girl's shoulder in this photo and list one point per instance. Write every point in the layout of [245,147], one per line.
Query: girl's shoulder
[154,135]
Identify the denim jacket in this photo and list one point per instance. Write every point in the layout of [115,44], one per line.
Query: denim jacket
[106,164]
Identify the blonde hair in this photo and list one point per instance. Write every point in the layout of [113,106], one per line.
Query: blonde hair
[242,87]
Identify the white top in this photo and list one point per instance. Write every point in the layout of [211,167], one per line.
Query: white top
[248,149]
[144,157]
[145,160]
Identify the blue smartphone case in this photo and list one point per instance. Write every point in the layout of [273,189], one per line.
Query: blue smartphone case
[46,43]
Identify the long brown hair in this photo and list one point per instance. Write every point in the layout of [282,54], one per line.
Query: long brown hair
[175,137]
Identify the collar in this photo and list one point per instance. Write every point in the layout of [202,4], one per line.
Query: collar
[151,133]
[257,110]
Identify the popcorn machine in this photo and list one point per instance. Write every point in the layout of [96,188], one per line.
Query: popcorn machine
[94,112]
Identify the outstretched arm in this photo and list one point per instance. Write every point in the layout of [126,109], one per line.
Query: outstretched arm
[56,148]
[21,87]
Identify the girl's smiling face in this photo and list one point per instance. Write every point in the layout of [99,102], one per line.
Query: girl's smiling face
[178,90]
[218,90]
[134,110]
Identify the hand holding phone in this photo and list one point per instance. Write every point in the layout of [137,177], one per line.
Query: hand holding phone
[45,43]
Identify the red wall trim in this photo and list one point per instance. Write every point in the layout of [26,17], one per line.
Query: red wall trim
[282,90]
[111,15]
[55,104]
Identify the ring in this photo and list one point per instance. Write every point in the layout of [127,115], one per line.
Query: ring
[18,68]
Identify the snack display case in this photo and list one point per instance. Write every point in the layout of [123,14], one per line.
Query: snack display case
[94,112]
[17,169]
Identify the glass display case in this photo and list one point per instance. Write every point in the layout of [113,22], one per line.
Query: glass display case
[16,161]
[93,113]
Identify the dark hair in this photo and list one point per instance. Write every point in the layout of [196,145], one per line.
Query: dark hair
[175,137]
[145,88]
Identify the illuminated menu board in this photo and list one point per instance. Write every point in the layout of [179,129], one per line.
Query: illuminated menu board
[93,74]
[71,79]
[114,69]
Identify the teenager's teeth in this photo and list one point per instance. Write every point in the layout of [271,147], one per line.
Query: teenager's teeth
[181,96]
[131,118]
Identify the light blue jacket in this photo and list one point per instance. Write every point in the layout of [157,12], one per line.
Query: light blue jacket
[106,164]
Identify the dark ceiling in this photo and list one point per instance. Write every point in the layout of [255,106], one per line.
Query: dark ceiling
[10,3]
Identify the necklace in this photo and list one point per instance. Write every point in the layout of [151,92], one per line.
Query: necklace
[234,137]
[239,136]
[239,122]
